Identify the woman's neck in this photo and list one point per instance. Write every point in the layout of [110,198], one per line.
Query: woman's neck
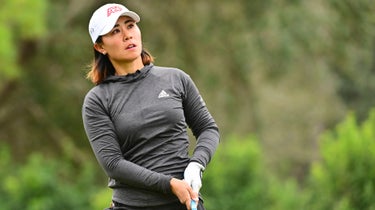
[128,67]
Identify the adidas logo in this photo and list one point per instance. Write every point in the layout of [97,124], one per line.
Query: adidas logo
[163,94]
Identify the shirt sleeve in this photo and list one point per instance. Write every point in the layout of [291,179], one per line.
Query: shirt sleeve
[201,123]
[103,140]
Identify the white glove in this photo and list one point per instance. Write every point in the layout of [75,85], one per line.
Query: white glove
[193,175]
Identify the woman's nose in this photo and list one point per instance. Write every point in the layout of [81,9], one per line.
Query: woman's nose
[127,36]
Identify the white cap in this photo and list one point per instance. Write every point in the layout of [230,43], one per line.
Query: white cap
[104,18]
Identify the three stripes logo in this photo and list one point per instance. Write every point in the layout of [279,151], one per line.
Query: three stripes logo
[163,94]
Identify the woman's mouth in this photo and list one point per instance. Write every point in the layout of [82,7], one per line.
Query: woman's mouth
[130,46]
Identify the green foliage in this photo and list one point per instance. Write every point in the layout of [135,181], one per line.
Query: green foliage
[285,194]
[353,30]
[19,20]
[101,199]
[27,18]
[43,183]
[345,177]
[236,179]
[284,70]
[8,56]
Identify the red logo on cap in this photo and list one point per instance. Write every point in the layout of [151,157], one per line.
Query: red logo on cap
[113,9]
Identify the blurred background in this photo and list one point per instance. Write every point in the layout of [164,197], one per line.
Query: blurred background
[291,84]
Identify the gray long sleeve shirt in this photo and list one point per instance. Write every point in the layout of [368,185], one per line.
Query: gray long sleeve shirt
[137,128]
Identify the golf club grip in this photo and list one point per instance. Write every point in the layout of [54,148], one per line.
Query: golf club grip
[193,205]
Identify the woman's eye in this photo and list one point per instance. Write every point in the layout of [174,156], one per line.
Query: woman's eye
[115,31]
[131,25]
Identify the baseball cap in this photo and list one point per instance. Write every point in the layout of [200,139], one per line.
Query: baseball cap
[105,17]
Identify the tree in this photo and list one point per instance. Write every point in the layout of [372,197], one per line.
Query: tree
[344,178]
[284,70]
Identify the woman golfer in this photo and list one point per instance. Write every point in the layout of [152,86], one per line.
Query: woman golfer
[136,119]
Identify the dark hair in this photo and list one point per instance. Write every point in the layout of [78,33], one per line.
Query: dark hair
[101,66]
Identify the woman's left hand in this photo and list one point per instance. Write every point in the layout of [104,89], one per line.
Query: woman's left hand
[193,175]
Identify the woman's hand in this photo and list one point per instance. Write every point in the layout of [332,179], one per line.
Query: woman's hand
[193,175]
[183,192]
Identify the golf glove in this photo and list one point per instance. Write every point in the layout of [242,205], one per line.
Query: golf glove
[193,175]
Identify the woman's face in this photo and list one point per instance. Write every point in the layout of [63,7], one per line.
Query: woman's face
[123,43]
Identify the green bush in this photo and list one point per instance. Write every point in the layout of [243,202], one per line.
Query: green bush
[232,180]
[345,177]
[236,179]
[44,183]
[285,195]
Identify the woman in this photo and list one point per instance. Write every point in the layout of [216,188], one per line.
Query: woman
[136,119]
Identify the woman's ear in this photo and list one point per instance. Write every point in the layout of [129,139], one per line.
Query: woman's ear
[100,49]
